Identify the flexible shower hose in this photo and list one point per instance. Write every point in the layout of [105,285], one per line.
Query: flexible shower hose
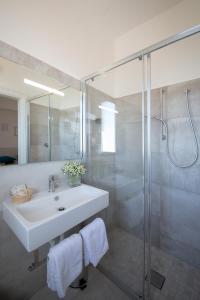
[194,136]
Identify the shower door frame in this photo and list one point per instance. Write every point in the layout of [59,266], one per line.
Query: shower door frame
[145,56]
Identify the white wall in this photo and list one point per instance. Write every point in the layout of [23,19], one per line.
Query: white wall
[176,63]
[53,32]
[178,18]
[74,36]
[49,32]
[173,64]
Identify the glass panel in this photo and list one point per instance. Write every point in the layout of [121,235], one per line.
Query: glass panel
[65,125]
[39,145]
[175,189]
[115,163]
[55,127]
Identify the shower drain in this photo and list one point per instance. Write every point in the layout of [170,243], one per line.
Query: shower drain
[157,279]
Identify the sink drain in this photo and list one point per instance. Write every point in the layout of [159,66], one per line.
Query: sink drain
[61,208]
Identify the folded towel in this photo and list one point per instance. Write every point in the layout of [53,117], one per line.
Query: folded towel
[64,264]
[95,241]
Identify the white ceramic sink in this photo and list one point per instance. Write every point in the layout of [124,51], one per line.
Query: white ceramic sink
[48,215]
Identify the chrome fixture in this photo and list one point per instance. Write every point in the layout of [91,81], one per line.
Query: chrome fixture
[193,130]
[52,186]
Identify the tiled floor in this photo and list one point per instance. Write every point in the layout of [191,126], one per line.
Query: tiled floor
[121,269]
[123,264]
[99,288]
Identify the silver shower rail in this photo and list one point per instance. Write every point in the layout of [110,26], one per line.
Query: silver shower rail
[172,39]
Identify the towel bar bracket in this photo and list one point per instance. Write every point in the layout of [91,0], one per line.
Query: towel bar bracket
[37,262]
[36,254]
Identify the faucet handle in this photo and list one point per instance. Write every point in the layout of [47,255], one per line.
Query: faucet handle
[52,183]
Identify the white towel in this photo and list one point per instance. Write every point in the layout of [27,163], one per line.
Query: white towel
[64,264]
[95,241]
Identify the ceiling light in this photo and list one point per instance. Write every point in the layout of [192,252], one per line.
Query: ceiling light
[43,87]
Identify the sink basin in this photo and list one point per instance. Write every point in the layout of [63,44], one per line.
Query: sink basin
[48,215]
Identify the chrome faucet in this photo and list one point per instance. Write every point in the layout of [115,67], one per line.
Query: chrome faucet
[52,186]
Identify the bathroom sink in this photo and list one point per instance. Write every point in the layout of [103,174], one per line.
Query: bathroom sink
[49,215]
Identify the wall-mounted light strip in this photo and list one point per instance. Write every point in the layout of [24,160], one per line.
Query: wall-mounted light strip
[108,109]
[43,87]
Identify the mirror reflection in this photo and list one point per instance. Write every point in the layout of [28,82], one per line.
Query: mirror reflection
[8,130]
[39,117]
[55,126]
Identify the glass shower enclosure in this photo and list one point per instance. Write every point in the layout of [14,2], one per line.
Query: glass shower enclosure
[54,126]
[114,160]
[141,143]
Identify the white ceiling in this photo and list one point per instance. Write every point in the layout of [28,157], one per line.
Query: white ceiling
[75,36]
[112,17]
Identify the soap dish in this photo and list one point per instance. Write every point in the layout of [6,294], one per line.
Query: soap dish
[17,199]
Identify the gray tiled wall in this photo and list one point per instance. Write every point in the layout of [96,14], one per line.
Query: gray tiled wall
[175,191]
[179,188]
[129,163]
[65,133]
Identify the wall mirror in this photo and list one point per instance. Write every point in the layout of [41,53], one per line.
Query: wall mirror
[39,116]
[55,126]
[8,130]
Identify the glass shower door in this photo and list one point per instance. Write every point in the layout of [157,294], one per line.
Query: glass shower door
[65,125]
[39,143]
[175,165]
[55,127]
[115,162]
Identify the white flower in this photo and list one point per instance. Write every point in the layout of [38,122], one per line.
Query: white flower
[74,168]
